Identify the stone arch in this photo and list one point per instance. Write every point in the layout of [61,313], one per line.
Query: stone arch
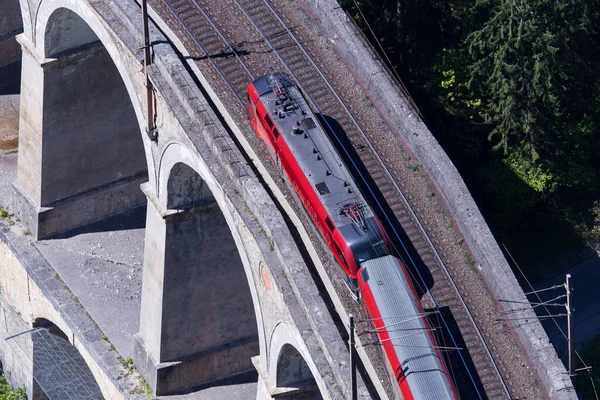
[93,133]
[59,370]
[83,151]
[66,32]
[26,16]
[292,368]
[199,278]
[92,22]
[293,371]
[186,189]
[50,327]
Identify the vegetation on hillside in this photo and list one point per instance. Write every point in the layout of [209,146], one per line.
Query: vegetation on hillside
[511,90]
[8,393]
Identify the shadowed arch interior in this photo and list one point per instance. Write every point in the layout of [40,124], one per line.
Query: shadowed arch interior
[294,372]
[198,320]
[59,370]
[91,136]
[186,189]
[205,288]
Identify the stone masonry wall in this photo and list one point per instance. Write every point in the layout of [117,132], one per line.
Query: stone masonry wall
[29,290]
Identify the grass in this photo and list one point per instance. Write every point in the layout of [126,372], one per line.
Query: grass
[469,260]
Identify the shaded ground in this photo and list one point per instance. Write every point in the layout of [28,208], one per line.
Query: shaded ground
[9,124]
[586,302]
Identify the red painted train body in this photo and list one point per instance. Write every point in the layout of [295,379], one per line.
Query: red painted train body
[291,132]
[285,123]
[390,298]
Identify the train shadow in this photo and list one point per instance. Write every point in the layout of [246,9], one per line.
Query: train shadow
[422,278]
[459,363]
[224,53]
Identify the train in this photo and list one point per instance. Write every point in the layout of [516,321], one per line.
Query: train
[290,130]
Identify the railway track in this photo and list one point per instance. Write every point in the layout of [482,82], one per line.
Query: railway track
[479,373]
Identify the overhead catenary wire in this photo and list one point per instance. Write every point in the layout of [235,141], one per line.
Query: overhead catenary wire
[375,198]
[549,315]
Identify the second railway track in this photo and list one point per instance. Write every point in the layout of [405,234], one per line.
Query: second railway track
[287,52]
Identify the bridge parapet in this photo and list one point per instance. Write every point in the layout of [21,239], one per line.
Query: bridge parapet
[295,342]
[397,109]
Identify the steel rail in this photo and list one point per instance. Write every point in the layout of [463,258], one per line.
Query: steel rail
[363,178]
[367,183]
[206,53]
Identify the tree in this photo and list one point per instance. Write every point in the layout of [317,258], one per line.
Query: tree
[529,64]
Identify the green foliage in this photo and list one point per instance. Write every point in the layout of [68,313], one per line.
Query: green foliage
[511,90]
[8,393]
[590,353]
[533,174]
[527,63]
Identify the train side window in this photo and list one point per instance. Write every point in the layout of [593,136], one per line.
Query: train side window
[275,133]
[249,100]
[329,224]
[340,253]
[269,121]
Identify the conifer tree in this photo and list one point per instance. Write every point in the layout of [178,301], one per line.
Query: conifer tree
[527,60]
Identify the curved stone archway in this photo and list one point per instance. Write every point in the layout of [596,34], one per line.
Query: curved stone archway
[292,369]
[206,321]
[83,153]
[291,366]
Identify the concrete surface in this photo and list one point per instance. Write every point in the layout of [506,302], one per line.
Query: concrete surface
[9,112]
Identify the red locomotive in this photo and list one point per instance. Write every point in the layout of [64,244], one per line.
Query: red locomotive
[293,135]
[284,121]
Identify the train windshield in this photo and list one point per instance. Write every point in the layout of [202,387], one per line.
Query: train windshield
[374,251]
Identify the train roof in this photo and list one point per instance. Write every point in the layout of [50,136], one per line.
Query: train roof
[397,305]
[318,159]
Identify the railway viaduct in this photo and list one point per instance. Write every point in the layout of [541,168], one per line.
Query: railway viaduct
[225,287]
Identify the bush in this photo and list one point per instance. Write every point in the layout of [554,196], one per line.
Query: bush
[8,393]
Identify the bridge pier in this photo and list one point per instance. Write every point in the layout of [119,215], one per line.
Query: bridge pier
[81,156]
[197,321]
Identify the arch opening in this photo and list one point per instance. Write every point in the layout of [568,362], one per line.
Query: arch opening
[11,24]
[91,135]
[293,372]
[194,276]
[207,276]
[59,370]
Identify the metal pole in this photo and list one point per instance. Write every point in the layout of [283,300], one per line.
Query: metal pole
[352,359]
[570,325]
[150,128]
